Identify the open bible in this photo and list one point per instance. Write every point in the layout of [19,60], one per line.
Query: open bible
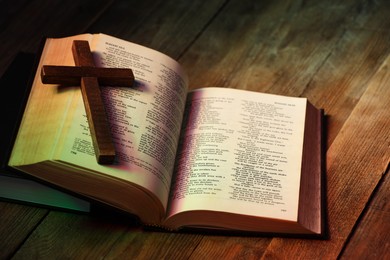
[207,158]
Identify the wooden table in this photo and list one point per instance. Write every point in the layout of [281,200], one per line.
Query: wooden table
[336,53]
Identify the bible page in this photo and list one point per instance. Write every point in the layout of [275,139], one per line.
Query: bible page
[240,152]
[145,120]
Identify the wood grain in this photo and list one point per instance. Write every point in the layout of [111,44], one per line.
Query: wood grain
[167,26]
[371,239]
[17,222]
[58,234]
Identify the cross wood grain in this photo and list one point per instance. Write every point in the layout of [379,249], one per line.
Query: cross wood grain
[71,76]
[335,53]
[89,78]
[94,107]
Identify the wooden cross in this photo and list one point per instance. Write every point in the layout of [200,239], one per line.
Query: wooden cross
[89,77]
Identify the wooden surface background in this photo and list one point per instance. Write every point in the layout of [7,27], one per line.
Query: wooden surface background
[336,53]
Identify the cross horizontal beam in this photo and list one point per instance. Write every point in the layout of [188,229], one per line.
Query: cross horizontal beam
[66,75]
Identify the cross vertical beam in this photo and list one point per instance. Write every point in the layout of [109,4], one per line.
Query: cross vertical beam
[94,106]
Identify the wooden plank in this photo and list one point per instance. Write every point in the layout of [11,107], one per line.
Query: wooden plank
[356,161]
[263,46]
[106,236]
[13,9]
[17,222]
[166,26]
[371,239]
[154,245]
[60,232]
[33,21]
[222,247]
[123,17]
[342,79]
